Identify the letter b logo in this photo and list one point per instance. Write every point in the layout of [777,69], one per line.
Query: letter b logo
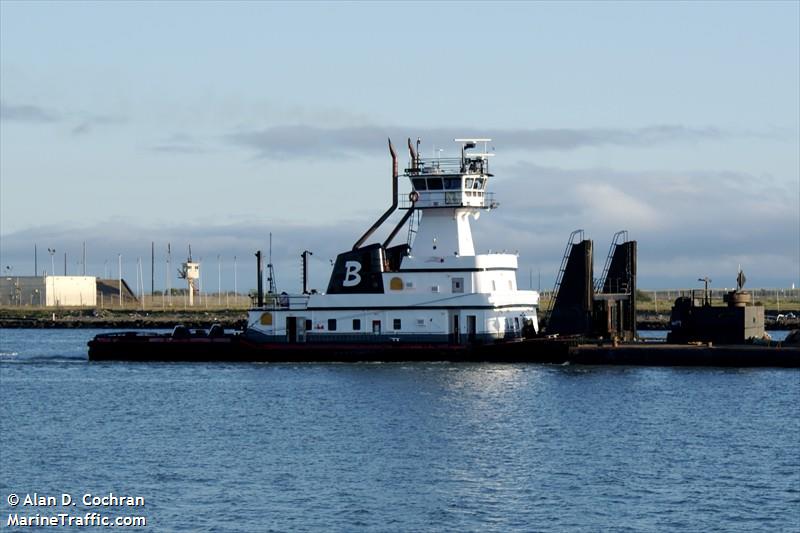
[351,274]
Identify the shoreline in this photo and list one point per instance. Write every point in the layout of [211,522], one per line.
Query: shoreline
[121,319]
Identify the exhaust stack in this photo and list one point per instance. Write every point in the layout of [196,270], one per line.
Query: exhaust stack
[304,258]
[260,282]
[414,156]
[391,209]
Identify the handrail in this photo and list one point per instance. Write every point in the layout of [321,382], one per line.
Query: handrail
[615,241]
[452,198]
[559,278]
[449,165]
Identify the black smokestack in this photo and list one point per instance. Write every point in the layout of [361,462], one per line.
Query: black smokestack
[260,279]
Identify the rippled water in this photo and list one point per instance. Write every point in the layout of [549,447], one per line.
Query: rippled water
[401,447]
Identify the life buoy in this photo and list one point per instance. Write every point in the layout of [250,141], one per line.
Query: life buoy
[413,196]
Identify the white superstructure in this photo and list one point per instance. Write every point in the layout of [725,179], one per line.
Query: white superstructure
[433,289]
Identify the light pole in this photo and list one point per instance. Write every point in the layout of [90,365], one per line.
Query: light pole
[120,279]
[219,280]
[706,298]
[235,288]
[52,252]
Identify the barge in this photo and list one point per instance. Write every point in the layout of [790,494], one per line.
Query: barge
[202,347]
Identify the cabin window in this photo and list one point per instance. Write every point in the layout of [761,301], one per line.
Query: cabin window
[356,324]
[452,183]
[419,184]
[469,182]
[331,324]
[478,183]
[435,184]
[458,284]
[308,325]
[397,324]
[516,323]
[420,322]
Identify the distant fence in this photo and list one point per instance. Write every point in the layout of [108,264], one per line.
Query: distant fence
[175,302]
[661,300]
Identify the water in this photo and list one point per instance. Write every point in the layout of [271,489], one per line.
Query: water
[399,447]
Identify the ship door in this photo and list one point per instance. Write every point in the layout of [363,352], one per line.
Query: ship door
[291,329]
[471,328]
[376,327]
[455,338]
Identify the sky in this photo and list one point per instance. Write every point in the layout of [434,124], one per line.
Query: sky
[215,124]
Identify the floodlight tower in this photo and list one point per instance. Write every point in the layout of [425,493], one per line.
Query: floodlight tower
[190,271]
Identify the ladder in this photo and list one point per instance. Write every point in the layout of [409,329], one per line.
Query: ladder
[574,238]
[413,224]
[619,238]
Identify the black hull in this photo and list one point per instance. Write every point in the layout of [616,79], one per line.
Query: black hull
[236,348]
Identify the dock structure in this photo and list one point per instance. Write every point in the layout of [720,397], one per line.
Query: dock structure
[605,308]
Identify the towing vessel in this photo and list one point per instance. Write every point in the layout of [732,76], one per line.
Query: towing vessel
[432,289]
[432,296]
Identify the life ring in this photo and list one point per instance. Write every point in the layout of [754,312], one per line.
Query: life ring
[413,197]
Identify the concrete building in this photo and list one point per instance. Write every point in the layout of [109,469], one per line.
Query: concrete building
[50,291]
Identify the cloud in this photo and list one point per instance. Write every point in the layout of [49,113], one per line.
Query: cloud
[88,123]
[85,122]
[180,143]
[301,141]
[26,113]
[688,224]
[286,142]
[616,206]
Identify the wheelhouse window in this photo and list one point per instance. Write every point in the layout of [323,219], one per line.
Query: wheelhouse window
[356,324]
[435,184]
[452,183]
[478,183]
[419,184]
[331,324]
[397,324]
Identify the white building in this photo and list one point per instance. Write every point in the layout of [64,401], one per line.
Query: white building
[51,291]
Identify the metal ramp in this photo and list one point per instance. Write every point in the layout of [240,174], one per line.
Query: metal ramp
[574,238]
[619,238]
